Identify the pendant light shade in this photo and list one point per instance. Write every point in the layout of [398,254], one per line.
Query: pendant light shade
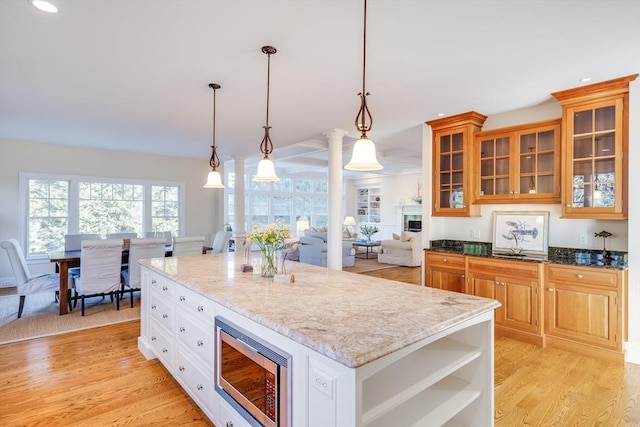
[214,180]
[364,157]
[266,168]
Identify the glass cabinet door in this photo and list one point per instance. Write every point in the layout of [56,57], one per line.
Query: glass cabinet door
[594,163]
[451,171]
[495,168]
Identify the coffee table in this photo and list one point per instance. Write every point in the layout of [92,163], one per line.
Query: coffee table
[366,244]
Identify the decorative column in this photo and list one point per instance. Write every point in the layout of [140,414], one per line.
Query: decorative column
[334,226]
[239,231]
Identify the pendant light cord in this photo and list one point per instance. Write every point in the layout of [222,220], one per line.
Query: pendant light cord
[363,112]
[214,161]
[266,146]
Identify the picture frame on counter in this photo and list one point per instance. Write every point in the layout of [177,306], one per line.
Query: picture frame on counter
[522,234]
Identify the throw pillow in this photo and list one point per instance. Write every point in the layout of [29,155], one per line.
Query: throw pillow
[395,236]
[405,236]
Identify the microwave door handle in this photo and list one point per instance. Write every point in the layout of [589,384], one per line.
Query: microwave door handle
[248,345]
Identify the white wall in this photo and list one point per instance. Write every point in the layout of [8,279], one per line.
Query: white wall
[203,213]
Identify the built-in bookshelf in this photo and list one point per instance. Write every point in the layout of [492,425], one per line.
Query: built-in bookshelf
[368,203]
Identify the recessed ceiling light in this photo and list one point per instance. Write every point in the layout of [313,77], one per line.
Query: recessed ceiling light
[44,6]
[585,79]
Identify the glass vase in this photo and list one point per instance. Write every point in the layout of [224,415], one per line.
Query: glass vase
[269,261]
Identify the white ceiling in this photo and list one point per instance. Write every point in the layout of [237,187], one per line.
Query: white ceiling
[133,75]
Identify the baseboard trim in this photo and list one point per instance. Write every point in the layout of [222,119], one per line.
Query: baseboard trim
[633,352]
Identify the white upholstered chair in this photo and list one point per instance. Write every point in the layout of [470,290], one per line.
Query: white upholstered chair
[122,235]
[73,242]
[166,234]
[25,282]
[188,245]
[100,262]
[140,249]
[220,242]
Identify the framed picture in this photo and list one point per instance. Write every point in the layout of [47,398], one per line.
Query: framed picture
[521,234]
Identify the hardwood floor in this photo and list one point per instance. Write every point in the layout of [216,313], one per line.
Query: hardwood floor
[95,377]
[98,377]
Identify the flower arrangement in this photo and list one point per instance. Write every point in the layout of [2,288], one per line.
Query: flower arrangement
[269,239]
[368,230]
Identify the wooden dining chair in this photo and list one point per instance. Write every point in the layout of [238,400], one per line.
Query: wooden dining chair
[188,245]
[140,249]
[26,283]
[99,271]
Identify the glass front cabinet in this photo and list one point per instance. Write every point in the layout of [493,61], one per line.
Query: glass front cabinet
[519,163]
[595,140]
[453,166]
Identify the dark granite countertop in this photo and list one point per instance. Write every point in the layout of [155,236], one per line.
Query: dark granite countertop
[567,256]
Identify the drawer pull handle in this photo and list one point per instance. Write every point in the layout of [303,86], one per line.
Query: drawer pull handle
[165,288]
[164,350]
[165,315]
[199,386]
[153,338]
[579,276]
[153,306]
[181,368]
[182,329]
[200,343]
[182,298]
[153,281]
[200,308]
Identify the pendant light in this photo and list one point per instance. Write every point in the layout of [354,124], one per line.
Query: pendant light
[363,157]
[266,170]
[214,180]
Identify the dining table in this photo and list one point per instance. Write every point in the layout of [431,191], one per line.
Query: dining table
[70,259]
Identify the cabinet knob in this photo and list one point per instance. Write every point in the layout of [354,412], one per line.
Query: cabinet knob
[199,386]
[551,289]
[229,424]
[181,368]
[182,298]
[164,350]
[153,338]
[165,315]
[200,343]
[182,329]
[445,260]
[165,288]
[462,275]
[200,308]
[153,306]
[579,276]
[153,281]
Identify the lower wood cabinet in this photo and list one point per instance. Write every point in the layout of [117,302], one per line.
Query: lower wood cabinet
[586,309]
[445,271]
[516,286]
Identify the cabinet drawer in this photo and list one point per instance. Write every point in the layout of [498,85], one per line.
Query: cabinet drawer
[162,345]
[162,312]
[582,275]
[195,337]
[522,270]
[442,259]
[229,417]
[161,286]
[193,303]
[199,382]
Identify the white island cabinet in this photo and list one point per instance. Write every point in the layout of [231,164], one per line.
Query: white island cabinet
[364,352]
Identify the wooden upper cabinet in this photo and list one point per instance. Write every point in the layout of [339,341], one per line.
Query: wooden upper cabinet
[453,166]
[518,163]
[595,141]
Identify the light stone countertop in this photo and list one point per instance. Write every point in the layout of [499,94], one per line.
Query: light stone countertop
[348,317]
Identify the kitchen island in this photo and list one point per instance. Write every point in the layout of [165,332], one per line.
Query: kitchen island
[365,351]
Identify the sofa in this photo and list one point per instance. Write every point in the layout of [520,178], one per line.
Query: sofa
[313,249]
[404,249]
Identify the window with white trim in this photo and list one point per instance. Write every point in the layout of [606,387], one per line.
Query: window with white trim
[58,205]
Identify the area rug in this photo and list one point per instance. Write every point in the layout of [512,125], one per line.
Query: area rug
[365,265]
[40,316]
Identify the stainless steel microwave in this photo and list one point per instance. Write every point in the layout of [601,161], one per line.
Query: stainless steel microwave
[252,376]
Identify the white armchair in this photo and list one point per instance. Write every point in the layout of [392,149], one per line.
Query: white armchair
[406,250]
[313,250]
